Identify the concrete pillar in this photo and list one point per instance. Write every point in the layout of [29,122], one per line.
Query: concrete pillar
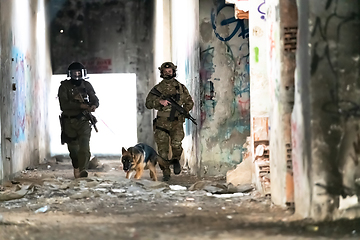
[281,46]
[224,87]
[185,54]
[162,36]
[259,92]
[325,121]
[25,80]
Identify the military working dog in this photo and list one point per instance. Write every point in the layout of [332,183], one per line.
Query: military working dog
[140,157]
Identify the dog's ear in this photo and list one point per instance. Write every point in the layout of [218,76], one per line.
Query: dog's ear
[123,150]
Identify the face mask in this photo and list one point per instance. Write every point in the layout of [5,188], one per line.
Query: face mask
[76,82]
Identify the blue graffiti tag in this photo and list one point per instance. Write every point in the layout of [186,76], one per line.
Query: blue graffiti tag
[240,25]
[261,12]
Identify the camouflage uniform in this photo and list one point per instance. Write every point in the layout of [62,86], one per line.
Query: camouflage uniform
[165,129]
[76,128]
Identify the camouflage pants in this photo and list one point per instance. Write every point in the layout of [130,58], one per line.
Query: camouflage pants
[168,134]
[79,148]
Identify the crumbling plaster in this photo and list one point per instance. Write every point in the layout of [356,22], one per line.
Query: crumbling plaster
[224,87]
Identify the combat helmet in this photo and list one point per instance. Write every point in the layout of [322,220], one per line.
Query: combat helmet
[76,67]
[167,65]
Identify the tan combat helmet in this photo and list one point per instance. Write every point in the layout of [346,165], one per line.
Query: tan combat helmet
[167,65]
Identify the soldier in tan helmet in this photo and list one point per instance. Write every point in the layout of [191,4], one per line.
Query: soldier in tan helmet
[168,124]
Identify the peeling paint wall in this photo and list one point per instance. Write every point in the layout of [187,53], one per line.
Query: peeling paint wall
[224,87]
[260,97]
[185,54]
[325,122]
[274,58]
[107,37]
[281,34]
[25,78]
[259,92]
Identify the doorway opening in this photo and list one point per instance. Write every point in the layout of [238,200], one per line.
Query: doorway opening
[116,114]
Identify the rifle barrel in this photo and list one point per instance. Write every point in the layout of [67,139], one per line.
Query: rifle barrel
[174,104]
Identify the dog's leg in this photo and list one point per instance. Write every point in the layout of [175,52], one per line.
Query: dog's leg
[129,174]
[152,171]
[139,171]
[139,159]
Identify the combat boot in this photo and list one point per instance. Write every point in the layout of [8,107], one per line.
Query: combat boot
[166,174]
[76,172]
[166,178]
[83,174]
[177,167]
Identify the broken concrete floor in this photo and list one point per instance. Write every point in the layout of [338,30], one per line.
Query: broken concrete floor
[48,203]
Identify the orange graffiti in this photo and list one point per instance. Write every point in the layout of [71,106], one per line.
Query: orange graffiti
[272,41]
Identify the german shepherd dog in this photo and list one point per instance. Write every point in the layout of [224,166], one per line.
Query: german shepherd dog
[140,157]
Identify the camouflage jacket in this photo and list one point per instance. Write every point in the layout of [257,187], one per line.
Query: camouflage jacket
[171,88]
[69,97]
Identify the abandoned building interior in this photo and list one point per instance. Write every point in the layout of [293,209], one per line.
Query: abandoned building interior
[275,85]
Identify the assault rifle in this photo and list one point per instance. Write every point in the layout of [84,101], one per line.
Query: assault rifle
[174,104]
[88,114]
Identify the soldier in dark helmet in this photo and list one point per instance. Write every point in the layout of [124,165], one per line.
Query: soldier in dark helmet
[168,124]
[77,97]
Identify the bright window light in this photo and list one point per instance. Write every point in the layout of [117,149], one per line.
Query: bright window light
[116,114]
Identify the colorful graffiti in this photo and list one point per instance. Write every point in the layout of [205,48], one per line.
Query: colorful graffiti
[225,86]
[237,59]
[272,40]
[262,12]
[19,103]
[240,67]
[256,51]
[206,71]
[239,24]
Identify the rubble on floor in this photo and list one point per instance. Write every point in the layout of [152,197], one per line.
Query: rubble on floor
[57,191]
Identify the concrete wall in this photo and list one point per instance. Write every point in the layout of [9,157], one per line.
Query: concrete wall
[162,36]
[281,33]
[108,37]
[259,92]
[325,121]
[224,87]
[259,89]
[25,78]
[185,54]
[274,58]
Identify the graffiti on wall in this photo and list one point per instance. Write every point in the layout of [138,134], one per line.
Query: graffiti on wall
[237,60]
[261,10]
[19,103]
[239,24]
[224,86]
[329,55]
[97,65]
[206,70]
[323,54]
[273,74]
[240,68]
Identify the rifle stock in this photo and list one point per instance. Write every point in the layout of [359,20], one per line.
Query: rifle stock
[174,104]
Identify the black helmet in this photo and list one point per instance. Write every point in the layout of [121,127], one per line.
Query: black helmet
[167,65]
[76,67]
